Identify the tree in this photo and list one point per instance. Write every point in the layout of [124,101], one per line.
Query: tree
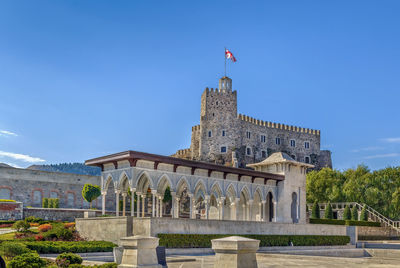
[167,195]
[347,213]
[328,211]
[45,203]
[364,214]
[90,192]
[315,211]
[354,213]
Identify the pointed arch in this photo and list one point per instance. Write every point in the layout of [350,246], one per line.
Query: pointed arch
[246,192]
[124,182]
[180,185]
[107,182]
[231,193]
[216,190]
[200,190]
[163,182]
[144,182]
[259,192]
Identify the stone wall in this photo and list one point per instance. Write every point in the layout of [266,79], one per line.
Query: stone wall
[111,229]
[55,214]
[377,231]
[31,186]
[11,211]
[106,228]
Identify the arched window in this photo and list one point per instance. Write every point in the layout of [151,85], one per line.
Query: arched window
[53,194]
[307,159]
[71,200]
[37,198]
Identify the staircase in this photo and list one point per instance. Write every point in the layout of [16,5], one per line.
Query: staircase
[378,217]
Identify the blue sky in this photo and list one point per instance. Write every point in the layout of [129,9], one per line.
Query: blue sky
[80,79]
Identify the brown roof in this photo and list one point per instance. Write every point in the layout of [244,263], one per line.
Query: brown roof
[134,156]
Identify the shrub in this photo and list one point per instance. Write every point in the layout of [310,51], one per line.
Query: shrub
[27,260]
[56,203]
[363,223]
[33,219]
[44,247]
[90,192]
[39,237]
[204,241]
[69,225]
[45,227]
[34,224]
[347,213]
[68,258]
[7,222]
[364,214]
[21,226]
[12,249]
[64,234]
[329,211]
[51,203]
[354,213]
[327,221]
[45,203]
[315,211]
[7,200]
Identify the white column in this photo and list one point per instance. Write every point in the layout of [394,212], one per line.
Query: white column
[260,211]
[161,206]
[117,203]
[177,207]
[103,203]
[264,209]
[250,210]
[244,212]
[274,219]
[221,213]
[191,206]
[157,203]
[237,200]
[138,204]
[143,204]
[133,202]
[123,203]
[153,203]
[206,200]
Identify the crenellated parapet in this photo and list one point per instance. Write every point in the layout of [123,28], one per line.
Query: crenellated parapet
[216,91]
[269,124]
[196,128]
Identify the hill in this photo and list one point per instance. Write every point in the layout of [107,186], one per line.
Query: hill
[4,165]
[75,168]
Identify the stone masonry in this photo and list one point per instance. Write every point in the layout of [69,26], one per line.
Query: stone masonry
[228,138]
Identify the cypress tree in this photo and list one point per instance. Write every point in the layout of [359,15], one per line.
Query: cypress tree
[347,213]
[364,214]
[329,211]
[315,211]
[354,213]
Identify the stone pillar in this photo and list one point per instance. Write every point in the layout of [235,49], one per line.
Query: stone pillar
[237,200]
[139,251]
[133,202]
[173,195]
[191,205]
[263,209]
[275,215]
[251,210]
[103,203]
[143,204]
[221,210]
[157,210]
[124,203]
[153,203]
[117,203]
[244,212]
[235,251]
[161,206]
[177,207]
[138,204]
[206,203]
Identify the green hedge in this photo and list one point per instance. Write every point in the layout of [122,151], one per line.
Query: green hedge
[204,240]
[43,247]
[7,222]
[376,237]
[345,222]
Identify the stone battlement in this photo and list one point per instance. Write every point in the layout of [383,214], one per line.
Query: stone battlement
[218,91]
[183,152]
[277,125]
[197,127]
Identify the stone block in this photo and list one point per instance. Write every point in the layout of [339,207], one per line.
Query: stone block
[235,252]
[139,251]
[89,214]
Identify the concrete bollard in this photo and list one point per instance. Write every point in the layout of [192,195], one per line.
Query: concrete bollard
[139,251]
[89,214]
[235,252]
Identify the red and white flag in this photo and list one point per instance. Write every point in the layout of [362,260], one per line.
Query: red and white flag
[229,55]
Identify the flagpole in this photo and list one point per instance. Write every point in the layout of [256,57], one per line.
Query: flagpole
[225,60]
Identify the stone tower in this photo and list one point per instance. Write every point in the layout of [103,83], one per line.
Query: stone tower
[228,138]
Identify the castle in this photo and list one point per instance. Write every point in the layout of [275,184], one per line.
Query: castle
[228,138]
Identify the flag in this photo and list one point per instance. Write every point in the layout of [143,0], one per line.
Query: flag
[229,55]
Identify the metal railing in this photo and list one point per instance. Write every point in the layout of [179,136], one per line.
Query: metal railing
[372,213]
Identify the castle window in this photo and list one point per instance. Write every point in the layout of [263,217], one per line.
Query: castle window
[223,133]
[306,145]
[248,151]
[248,134]
[293,156]
[263,138]
[293,143]
[263,154]
[278,141]
[209,134]
[307,159]
[223,149]
[216,103]
[5,193]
